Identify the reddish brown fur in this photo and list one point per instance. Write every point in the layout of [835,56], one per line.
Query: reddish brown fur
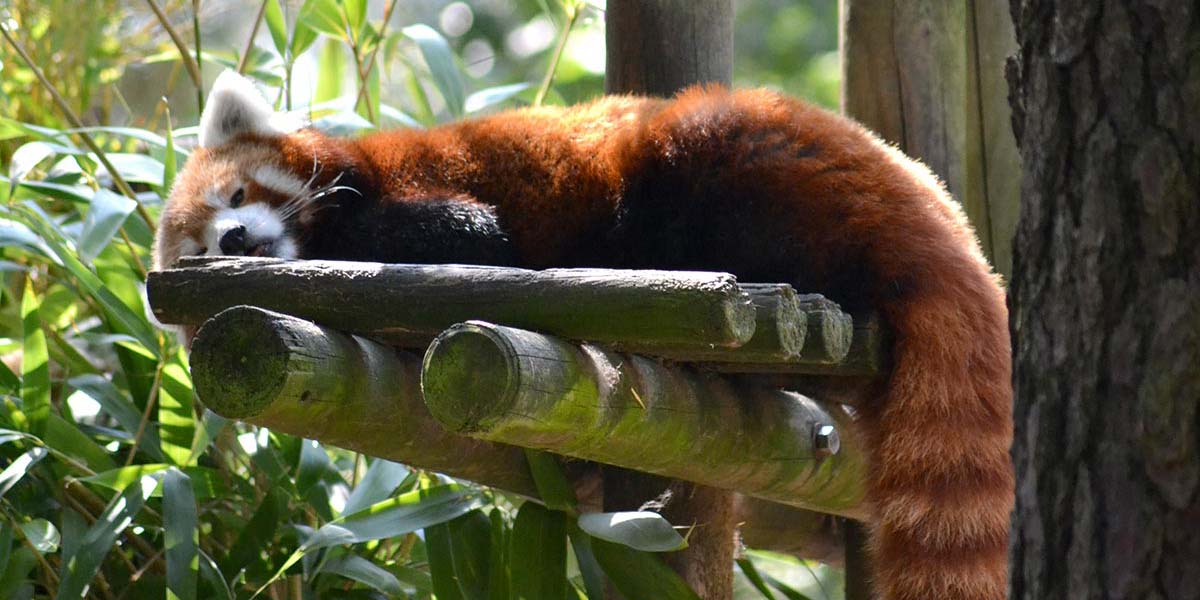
[770,189]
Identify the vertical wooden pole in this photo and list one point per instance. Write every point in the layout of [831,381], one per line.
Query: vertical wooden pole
[658,47]
[928,76]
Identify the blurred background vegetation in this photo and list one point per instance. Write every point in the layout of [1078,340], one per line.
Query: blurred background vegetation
[114,483]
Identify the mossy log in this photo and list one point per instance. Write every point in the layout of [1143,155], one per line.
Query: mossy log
[295,377]
[509,385]
[634,309]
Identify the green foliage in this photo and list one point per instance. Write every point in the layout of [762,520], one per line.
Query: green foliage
[115,483]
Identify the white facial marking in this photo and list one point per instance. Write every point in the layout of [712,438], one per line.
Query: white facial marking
[262,223]
[235,106]
[278,180]
[189,247]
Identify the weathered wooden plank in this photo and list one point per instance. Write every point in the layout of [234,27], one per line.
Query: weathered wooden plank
[504,384]
[636,309]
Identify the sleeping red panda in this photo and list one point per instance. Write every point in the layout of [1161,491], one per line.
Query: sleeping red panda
[749,182]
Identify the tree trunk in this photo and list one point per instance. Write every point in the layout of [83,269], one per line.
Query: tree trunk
[1106,296]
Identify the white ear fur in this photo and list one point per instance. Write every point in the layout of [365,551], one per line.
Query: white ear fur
[234,107]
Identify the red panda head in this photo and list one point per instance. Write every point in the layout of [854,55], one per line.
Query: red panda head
[237,195]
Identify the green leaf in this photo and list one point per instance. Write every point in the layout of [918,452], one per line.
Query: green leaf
[175,417]
[355,14]
[363,571]
[397,516]
[134,324]
[493,96]
[42,534]
[205,482]
[13,582]
[399,117]
[27,157]
[211,575]
[258,533]
[343,123]
[181,537]
[442,66]
[539,553]
[10,383]
[120,407]
[640,530]
[755,578]
[19,467]
[35,363]
[79,569]
[170,159]
[104,218]
[639,574]
[589,569]
[68,439]
[458,557]
[331,68]
[382,477]
[137,168]
[552,485]
[210,427]
[324,16]
[277,26]
[499,578]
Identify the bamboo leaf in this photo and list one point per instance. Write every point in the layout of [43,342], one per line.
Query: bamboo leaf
[589,569]
[755,578]
[120,407]
[68,439]
[539,553]
[181,537]
[19,467]
[552,484]
[324,16]
[205,482]
[397,516]
[640,530]
[440,59]
[499,575]
[35,363]
[79,569]
[493,96]
[277,26]
[363,571]
[105,217]
[42,535]
[458,557]
[382,477]
[175,417]
[638,574]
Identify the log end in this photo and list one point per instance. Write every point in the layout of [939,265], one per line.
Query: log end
[468,377]
[239,362]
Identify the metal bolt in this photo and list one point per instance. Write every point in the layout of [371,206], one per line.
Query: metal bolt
[826,441]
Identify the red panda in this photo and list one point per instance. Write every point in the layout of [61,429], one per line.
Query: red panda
[749,182]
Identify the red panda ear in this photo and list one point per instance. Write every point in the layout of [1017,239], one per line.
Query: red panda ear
[234,107]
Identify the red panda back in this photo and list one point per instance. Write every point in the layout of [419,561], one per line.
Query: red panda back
[771,189]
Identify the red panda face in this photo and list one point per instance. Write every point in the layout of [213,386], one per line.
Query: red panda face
[235,196]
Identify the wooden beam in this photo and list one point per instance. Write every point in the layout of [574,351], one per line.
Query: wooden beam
[514,386]
[296,377]
[413,303]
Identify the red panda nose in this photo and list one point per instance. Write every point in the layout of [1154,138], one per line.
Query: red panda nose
[233,242]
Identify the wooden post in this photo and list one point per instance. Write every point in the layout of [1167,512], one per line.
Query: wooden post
[928,76]
[513,386]
[659,47]
[310,381]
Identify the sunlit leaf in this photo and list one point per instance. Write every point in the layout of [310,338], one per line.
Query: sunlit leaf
[19,467]
[539,553]
[493,96]
[137,168]
[442,66]
[42,535]
[120,407]
[397,516]
[331,68]
[363,571]
[175,417]
[107,213]
[377,485]
[277,26]
[205,483]
[344,123]
[589,569]
[641,530]
[35,363]
[180,535]
[79,569]
[324,16]
[68,439]
[755,579]
[399,117]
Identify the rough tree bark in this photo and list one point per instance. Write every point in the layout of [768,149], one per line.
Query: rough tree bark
[1106,297]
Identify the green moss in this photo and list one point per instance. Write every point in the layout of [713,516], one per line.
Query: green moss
[238,363]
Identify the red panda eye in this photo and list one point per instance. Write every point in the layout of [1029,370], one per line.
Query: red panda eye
[237,198]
